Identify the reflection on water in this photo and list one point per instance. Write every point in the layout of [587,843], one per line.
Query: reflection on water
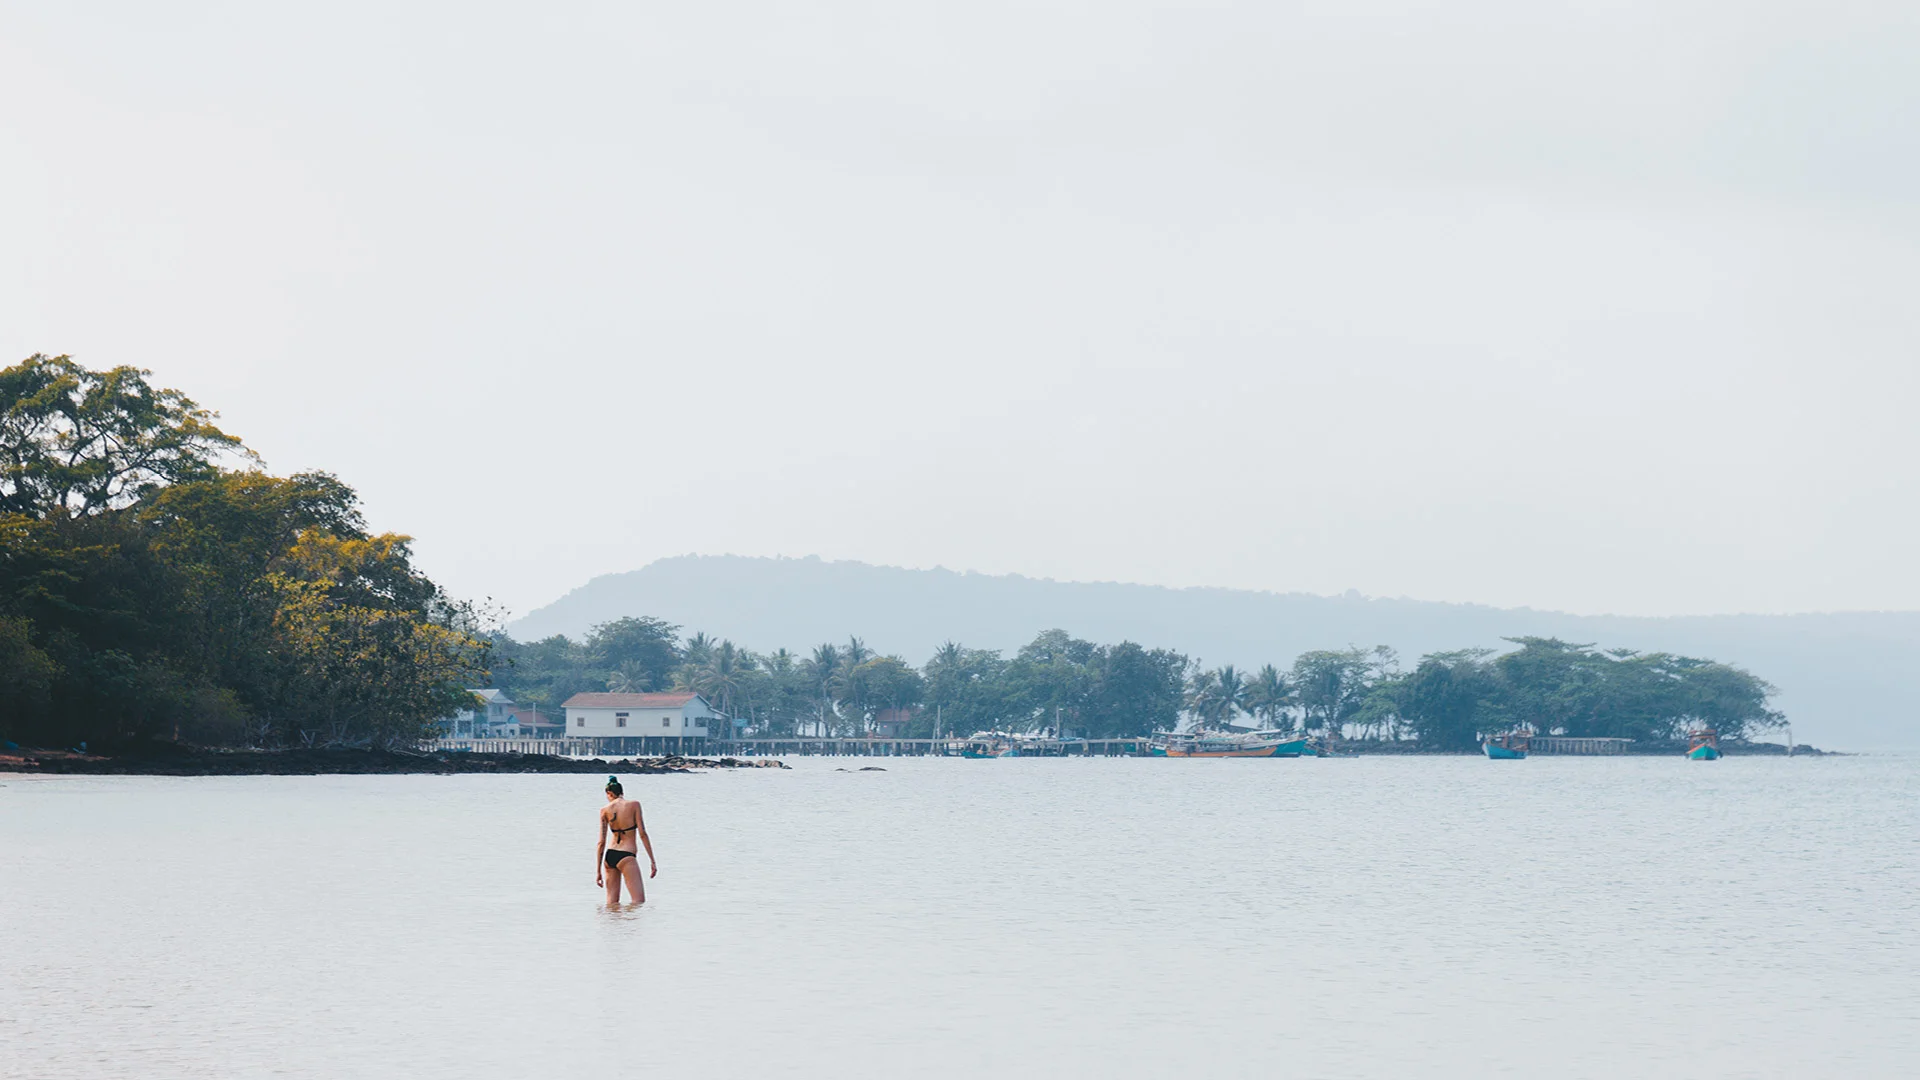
[1018,917]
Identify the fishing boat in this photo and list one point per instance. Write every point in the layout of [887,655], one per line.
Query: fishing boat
[1212,745]
[1703,744]
[1292,746]
[1284,743]
[991,744]
[1512,746]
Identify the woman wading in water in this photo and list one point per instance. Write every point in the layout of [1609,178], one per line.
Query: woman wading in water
[621,817]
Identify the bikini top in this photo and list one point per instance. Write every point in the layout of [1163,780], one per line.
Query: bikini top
[617,830]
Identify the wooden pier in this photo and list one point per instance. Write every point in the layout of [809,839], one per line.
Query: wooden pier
[791,746]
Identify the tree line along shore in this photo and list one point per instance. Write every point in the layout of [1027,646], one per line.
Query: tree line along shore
[1365,698]
[159,586]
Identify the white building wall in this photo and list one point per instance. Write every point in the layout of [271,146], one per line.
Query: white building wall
[690,720]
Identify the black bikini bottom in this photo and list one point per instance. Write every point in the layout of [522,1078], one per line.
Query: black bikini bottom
[614,856]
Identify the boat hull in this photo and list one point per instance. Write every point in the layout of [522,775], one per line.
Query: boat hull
[1704,753]
[1502,753]
[1252,751]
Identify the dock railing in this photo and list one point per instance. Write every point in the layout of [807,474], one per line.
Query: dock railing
[1560,744]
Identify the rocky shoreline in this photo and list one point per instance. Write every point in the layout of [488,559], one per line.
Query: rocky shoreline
[176,761]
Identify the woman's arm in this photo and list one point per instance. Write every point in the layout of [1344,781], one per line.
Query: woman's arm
[600,853]
[640,822]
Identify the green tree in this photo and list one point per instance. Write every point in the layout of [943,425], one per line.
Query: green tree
[1215,697]
[146,593]
[887,682]
[75,442]
[1269,696]
[1136,691]
[1333,684]
[641,651]
[1050,682]
[368,656]
[967,688]
[821,669]
[27,676]
[849,685]
[1451,699]
[723,680]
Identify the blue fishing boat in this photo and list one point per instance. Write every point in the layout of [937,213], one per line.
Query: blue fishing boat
[1285,743]
[1703,744]
[1512,746]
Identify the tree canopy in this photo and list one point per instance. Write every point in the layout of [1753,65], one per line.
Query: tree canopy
[1058,682]
[147,592]
[76,442]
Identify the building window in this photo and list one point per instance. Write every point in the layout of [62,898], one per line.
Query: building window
[666,721]
[619,721]
[580,722]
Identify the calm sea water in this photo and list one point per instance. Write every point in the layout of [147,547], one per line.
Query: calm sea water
[1373,917]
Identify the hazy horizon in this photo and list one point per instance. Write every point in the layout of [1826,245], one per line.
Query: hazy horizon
[515,615]
[1590,311]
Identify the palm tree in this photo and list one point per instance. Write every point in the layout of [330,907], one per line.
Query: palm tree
[1229,695]
[821,668]
[857,652]
[722,679]
[945,672]
[772,691]
[698,651]
[849,685]
[1217,696]
[1269,696]
[630,677]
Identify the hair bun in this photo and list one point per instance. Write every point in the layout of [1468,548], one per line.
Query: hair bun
[613,779]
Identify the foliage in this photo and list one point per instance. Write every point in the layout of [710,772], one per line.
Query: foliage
[1446,699]
[76,442]
[1333,686]
[1570,689]
[147,593]
[1136,691]
[1269,696]
[1057,682]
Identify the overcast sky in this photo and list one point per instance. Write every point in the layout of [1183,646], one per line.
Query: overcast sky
[1606,310]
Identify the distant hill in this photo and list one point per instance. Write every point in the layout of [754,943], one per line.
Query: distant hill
[1844,678]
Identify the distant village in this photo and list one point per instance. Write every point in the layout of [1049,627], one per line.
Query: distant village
[679,714]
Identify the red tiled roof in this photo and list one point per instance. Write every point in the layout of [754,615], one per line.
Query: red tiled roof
[627,701]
